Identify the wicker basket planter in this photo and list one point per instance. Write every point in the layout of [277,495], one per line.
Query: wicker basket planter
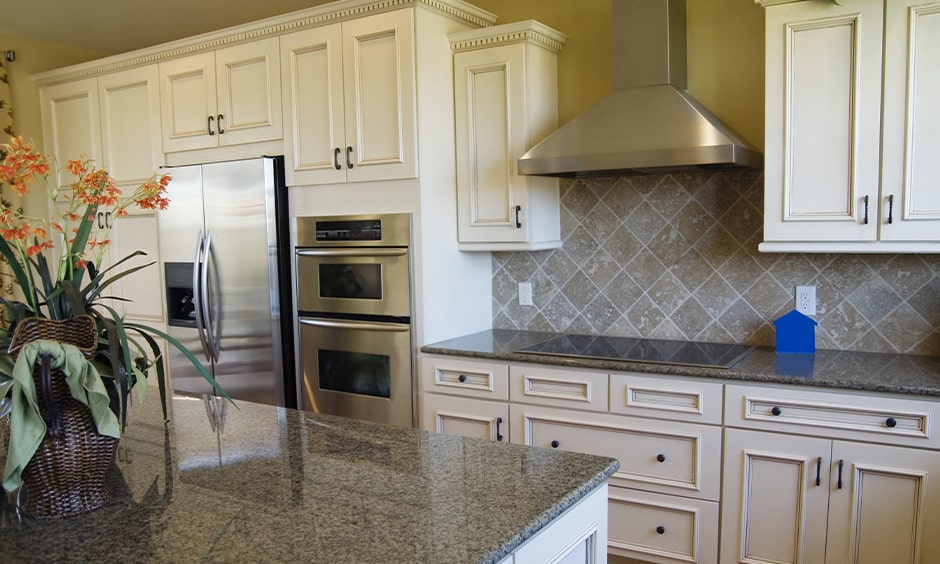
[66,475]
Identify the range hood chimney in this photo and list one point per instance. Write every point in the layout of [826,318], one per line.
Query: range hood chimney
[649,124]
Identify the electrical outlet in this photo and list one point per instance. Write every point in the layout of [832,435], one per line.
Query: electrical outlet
[525,293]
[806,300]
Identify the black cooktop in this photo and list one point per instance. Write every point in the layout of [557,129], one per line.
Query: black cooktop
[656,351]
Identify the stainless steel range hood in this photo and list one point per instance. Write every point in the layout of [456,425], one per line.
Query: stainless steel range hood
[649,123]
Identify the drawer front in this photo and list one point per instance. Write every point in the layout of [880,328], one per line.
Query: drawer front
[558,387]
[465,377]
[670,398]
[662,456]
[468,417]
[891,420]
[660,528]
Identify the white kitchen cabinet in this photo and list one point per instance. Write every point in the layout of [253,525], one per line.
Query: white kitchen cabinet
[847,169]
[129,102]
[71,124]
[814,497]
[464,416]
[230,96]
[505,91]
[464,397]
[349,93]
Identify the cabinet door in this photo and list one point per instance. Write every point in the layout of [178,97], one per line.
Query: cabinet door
[910,169]
[772,507]
[248,77]
[823,107]
[882,506]
[314,144]
[71,126]
[130,124]
[188,103]
[379,83]
[468,417]
[143,289]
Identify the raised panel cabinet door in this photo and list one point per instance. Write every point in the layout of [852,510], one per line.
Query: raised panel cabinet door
[823,108]
[489,90]
[188,103]
[379,90]
[315,136]
[248,79]
[131,143]
[910,198]
[71,124]
[143,289]
[468,417]
[772,507]
[884,505]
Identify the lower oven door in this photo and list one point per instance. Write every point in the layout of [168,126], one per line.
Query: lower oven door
[358,369]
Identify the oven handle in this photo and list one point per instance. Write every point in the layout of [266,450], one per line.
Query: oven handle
[394,252]
[356,325]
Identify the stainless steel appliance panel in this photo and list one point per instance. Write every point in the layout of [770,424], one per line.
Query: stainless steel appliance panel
[357,369]
[368,281]
[231,242]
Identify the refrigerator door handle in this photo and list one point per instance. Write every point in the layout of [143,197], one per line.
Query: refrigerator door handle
[211,336]
[197,292]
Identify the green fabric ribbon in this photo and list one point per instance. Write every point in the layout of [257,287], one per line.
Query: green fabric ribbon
[27,427]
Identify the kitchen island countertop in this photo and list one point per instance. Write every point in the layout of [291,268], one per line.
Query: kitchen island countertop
[266,484]
[847,370]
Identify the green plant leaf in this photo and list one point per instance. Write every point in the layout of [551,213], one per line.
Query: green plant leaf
[158,364]
[78,246]
[94,288]
[120,356]
[22,277]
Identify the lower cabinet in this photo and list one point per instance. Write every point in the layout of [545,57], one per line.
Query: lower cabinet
[464,416]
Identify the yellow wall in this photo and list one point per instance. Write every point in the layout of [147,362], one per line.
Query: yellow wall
[726,55]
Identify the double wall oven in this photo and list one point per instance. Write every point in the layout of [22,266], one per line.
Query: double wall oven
[354,316]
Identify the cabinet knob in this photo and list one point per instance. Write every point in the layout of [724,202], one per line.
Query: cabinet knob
[462,378]
[660,457]
[661,530]
[556,444]
[891,422]
[775,411]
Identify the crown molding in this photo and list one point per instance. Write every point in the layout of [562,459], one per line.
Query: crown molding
[529,31]
[269,27]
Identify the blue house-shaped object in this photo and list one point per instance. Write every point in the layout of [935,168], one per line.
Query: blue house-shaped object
[796,333]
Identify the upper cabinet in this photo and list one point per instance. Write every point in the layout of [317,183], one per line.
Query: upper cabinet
[71,126]
[349,94]
[129,104]
[225,97]
[506,101]
[851,133]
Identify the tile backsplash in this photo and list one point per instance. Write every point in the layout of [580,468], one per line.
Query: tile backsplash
[675,257]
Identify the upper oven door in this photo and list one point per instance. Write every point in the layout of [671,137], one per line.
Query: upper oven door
[368,281]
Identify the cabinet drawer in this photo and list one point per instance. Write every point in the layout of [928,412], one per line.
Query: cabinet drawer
[660,528]
[669,398]
[558,387]
[663,456]
[893,420]
[463,377]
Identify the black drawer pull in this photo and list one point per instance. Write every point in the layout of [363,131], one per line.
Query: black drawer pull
[661,530]
[660,457]
[891,422]
[499,436]
[556,444]
[462,378]
[818,470]
[840,474]
[336,153]
[775,411]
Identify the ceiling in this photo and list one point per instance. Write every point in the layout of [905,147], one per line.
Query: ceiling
[116,26]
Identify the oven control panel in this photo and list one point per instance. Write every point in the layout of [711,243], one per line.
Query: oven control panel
[351,230]
[378,230]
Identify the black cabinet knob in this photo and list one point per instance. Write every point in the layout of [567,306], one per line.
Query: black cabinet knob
[775,410]
[462,378]
[891,422]
[555,444]
[660,457]
[661,530]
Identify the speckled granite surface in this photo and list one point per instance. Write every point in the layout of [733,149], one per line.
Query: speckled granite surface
[265,484]
[871,372]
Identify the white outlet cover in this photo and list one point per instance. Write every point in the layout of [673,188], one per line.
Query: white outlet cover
[806,300]
[525,293]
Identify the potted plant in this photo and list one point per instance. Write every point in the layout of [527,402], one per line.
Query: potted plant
[64,321]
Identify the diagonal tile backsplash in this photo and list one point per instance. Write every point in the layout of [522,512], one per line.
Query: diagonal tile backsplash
[675,257]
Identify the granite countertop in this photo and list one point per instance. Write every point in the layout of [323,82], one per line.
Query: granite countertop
[869,372]
[261,483]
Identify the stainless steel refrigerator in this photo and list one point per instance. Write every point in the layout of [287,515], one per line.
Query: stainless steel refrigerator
[222,258]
